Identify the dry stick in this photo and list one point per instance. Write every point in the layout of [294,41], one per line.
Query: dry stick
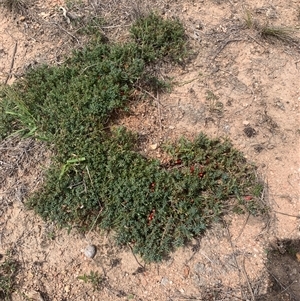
[247,278]
[295,281]
[148,93]
[12,64]
[236,262]
[188,298]
[195,250]
[135,257]
[297,216]
[157,103]
[100,211]
[204,255]
[223,46]
[230,241]
[256,41]
[236,297]
[116,26]
[159,112]
[244,225]
[66,31]
[87,67]
[284,288]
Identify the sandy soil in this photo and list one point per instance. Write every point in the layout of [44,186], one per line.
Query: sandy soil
[238,84]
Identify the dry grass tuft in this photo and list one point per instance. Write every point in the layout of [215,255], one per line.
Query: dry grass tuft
[15,6]
[281,33]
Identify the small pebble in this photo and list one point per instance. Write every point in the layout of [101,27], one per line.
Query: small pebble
[153,146]
[90,251]
[67,288]
[164,281]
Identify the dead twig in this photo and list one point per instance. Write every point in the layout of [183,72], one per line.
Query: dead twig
[231,244]
[159,112]
[142,266]
[158,104]
[283,287]
[295,281]
[223,46]
[149,94]
[244,225]
[11,64]
[247,279]
[255,40]
[188,298]
[291,215]
[101,208]
[238,266]
[116,26]
[67,32]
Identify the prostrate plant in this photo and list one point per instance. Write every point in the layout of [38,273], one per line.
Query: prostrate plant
[97,178]
[8,272]
[158,38]
[95,279]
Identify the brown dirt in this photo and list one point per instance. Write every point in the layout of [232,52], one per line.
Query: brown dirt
[238,84]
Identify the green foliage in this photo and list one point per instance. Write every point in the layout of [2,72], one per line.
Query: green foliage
[14,109]
[8,271]
[92,27]
[97,177]
[248,19]
[73,4]
[159,38]
[95,279]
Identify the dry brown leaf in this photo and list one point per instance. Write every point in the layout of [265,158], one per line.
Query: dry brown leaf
[186,271]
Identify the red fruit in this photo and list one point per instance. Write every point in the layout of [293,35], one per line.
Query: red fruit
[151,216]
[152,186]
[201,175]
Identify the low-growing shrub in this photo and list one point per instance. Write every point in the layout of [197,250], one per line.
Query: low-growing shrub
[8,273]
[97,178]
[159,39]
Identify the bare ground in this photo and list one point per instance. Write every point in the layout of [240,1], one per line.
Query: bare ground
[237,84]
